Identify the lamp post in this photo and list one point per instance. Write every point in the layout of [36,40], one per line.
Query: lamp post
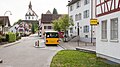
[91,18]
[78,32]
[4,18]
[68,21]
[9,12]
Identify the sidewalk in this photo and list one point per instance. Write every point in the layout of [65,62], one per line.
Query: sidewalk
[82,46]
[16,42]
[10,44]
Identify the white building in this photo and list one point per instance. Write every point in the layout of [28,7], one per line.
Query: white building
[14,28]
[108,30]
[31,15]
[80,12]
[46,22]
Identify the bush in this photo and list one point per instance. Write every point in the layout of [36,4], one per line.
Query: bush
[18,36]
[2,38]
[11,37]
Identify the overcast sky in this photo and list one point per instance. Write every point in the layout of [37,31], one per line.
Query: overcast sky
[20,7]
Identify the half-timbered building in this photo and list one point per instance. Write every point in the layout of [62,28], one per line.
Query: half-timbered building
[108,31]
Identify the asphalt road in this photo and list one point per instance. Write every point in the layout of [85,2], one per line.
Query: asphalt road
[24,54]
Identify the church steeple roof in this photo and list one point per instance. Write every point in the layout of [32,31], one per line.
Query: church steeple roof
[30,5]
[30,11]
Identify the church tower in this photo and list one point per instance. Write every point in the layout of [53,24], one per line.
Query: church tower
[31,15]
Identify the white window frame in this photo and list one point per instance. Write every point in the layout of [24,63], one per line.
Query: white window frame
[80,16]
[114,29]
[86,2]
[71,8]
[104,30]
[76,17]
[86,29]
[86,13]
[45,27]
[71,18]
[71,30]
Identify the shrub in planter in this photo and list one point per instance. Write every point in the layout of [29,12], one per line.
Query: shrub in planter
[3,39]
[11,37]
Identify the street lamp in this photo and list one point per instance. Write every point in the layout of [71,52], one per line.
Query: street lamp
[4,17]
[9,12]
[68,21]
[91,18]
[78,32]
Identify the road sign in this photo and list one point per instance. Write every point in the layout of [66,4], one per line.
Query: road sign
[94,22]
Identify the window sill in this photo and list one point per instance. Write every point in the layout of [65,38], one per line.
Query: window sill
[104,40]
[114,40]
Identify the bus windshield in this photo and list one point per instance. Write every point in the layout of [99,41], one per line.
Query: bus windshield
[52,35]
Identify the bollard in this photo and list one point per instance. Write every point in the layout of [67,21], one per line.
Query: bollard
[1,60]
[38,43]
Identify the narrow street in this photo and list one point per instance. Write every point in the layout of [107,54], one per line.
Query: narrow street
[24,54]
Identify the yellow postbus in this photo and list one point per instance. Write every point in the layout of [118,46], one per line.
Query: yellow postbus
[51,38]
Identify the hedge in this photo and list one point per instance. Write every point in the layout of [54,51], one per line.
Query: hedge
[11,37]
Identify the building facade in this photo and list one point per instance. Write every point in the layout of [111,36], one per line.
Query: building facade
[31,15]
[30,18]
[46,22]
[108,30]
[14,28]
[4,24]
[80,12]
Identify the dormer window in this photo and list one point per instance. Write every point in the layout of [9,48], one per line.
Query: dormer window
[32,17]
[29,17]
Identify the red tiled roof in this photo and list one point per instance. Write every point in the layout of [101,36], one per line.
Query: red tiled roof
[48,18]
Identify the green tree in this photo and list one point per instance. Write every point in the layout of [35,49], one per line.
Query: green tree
[62,24]
[56,25]
[65,22]
[33,28]
[55,11]
[17,22]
